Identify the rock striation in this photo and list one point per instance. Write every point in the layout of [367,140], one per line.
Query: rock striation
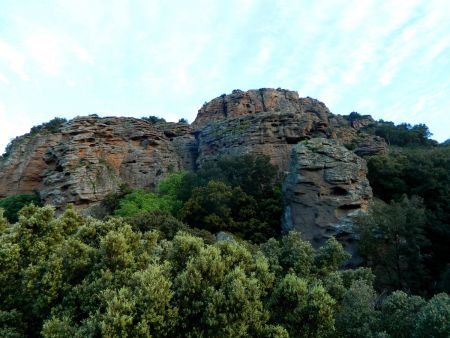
[270,122]
[21,172]
[90,157]
[325,188]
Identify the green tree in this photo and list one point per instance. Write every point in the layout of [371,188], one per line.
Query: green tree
[220,207]
[434,318]
[305,310]
[424,172]
[357,316]
[13,204]
[391,240]
[219,289]
[399,314]
[331,256]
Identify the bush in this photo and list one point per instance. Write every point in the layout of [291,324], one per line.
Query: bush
[81,277]
[391,241]
[153,119]
[13,204]
[52,126]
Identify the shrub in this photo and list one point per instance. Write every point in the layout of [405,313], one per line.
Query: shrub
[13,204]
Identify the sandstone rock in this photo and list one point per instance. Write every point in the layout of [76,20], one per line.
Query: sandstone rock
[91,157]
[326,186]
[252,102]
[97,155]
[264,121]
[182,137]
[21,172]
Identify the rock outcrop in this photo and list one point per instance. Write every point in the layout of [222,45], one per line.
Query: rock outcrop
[325,187]
[21,172]
[270,122]
[91,157]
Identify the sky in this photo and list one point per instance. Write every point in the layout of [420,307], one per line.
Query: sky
[390,59]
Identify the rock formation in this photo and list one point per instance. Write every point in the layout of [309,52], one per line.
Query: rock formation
[326,186]
[270,122]
[90,157]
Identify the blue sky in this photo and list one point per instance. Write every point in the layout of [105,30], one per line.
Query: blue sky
[390,59]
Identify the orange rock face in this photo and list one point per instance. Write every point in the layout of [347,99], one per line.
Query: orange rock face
[270,122]
[21,172]
[89,158]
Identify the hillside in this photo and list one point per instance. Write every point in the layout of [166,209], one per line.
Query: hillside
[267,205]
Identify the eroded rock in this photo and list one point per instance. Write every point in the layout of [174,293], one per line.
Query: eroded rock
[325,188]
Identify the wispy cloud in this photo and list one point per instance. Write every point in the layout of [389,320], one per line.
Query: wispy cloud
[14,58]
[150,57]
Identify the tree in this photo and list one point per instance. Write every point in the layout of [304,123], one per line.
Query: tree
[13,204]
[391,241]
[219,289]
[357,316]
[434,318]
[399,314]
[403,135]
[219,207]
[304,309]
[424,172]
[331,256]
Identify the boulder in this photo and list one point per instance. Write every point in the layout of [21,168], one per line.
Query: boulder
[326,186]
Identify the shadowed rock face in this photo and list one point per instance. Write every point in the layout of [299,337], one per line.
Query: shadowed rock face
[21,172]
[325,187]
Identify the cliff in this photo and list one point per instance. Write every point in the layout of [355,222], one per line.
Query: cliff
[90,157]
[325,188]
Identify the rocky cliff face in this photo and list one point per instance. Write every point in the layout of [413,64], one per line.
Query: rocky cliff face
[21,172]
[90,157]
[325,187]
[270,122]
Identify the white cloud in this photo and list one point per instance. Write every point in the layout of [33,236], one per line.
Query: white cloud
[11,125]
[357,12]
[46,49]
[4,79]
[83,55]
[15,59]
[258,64]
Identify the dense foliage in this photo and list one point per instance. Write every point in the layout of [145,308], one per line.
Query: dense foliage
[236,194]
[392,241]
[74,276]
[403,134]
[13,204]
[425,172]
[153,119]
